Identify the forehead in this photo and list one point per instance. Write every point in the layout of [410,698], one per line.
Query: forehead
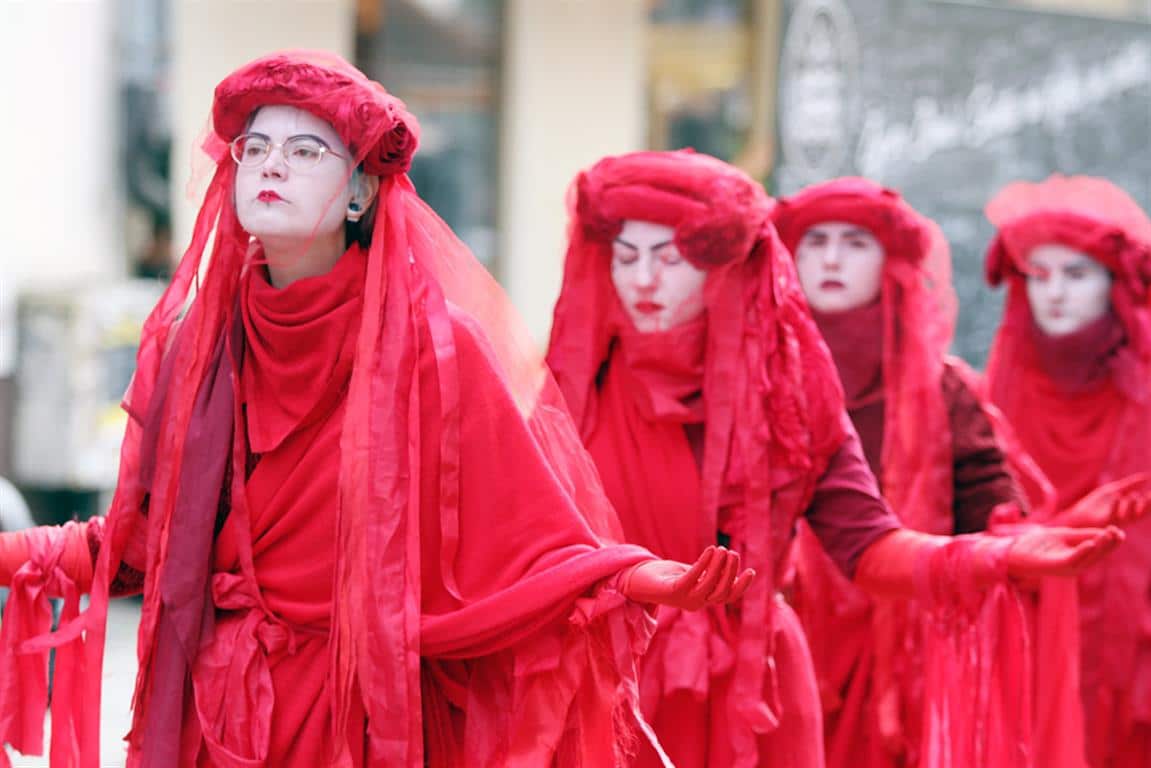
[280,121]
[838,228]
[643,233]
[1052,255]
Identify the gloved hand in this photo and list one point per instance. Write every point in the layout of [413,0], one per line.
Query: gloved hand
[1120,502]
[1041,551]
[714,578]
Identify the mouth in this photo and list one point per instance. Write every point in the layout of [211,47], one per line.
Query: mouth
[269,196]
[647,307]
[832,285]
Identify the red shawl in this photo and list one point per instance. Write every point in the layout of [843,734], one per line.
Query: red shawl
[1081,405]
[771,418]
[469,523]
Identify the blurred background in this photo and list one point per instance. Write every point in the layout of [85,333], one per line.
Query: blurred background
[105,101]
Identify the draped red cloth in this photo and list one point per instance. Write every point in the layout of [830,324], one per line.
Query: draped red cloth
[720,427]
[423,549]
[921,427]
[1081,405]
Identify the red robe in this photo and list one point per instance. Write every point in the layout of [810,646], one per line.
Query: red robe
[526,653]
[647,445]
[845,622]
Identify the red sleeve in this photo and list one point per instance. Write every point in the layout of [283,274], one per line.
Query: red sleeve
[981,477]
[847,514]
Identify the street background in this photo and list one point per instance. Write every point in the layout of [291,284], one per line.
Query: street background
[106,101]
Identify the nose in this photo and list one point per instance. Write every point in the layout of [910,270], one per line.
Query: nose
[646,272]
[1056,287]
[832,256]
[274,166]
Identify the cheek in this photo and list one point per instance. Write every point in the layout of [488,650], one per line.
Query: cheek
[620,280]
[807,268]
[685,293]
[1093,298]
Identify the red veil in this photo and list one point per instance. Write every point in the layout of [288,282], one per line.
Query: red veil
[772,404]
[1081,406]
[424,291]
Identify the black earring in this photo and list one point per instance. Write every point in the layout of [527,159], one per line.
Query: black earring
[353,207]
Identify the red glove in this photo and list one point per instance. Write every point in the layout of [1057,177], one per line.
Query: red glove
[1041,551]
[1120,502]
[713,579]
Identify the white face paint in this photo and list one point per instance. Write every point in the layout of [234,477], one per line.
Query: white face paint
[1067,289]
[658,288]
[840,266]
[274,201]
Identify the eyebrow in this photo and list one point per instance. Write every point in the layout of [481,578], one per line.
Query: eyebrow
[818,231]
[634,247]
[312,136]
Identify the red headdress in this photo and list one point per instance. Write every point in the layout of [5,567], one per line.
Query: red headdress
[1097,218]
[422,283]
[771,401]
[918,308]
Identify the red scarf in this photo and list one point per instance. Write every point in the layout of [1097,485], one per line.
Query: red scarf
[855,338]
[300,345]
[1069,383]
[651,390]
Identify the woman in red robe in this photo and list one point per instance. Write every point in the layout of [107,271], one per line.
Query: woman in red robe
[877,276]
[684,347]
[1070,367]
[365,530]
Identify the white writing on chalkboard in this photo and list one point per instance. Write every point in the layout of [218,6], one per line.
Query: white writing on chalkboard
[990,112]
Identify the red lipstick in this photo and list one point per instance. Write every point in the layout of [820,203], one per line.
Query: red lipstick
[269,196]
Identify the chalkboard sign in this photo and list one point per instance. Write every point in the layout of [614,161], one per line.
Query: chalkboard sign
[948,102]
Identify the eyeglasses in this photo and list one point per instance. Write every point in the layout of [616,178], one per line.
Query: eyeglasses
[301,153]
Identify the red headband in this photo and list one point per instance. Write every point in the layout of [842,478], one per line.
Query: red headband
[716,210]
[861,202]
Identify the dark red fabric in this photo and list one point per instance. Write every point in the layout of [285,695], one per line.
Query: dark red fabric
[1089,424]
[771,422]
[440,552]
[855,339]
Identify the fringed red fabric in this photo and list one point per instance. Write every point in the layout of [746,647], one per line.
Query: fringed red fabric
[1096,431]
[976,659]
[58,566]
[771,407]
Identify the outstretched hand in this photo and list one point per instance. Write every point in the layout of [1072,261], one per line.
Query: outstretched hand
[1040,551]
[712,579]
[1120,502]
